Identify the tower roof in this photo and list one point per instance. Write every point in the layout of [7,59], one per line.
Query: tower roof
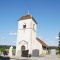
[27,16]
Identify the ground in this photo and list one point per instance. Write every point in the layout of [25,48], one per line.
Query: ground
[46,57]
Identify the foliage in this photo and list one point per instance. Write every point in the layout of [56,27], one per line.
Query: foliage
[2,49]
[5,49]
[6,46]
[5,52]
[53,47]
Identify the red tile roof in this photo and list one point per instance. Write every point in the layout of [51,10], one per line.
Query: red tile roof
[28,16]
[41,42]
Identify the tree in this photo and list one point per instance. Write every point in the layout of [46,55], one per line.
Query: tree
[59,42]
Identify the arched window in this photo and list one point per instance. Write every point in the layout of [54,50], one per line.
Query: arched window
[24,26]
[33,26]
[22,48]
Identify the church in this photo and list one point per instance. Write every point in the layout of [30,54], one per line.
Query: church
[26,36]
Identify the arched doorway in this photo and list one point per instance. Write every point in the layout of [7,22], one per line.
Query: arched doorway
[24,52]
[23,48]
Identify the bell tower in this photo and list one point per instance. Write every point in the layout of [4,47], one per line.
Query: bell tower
[26,33]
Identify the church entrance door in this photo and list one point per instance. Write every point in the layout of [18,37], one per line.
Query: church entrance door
[24,51]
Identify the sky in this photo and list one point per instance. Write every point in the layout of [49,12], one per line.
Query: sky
[45,12]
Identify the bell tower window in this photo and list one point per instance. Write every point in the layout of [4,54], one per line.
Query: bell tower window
[24,26]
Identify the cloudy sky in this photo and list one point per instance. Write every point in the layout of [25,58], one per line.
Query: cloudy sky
[45,12]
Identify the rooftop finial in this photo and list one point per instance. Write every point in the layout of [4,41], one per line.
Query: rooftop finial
[28,11]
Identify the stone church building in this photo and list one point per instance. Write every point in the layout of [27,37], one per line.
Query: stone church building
[26,36]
